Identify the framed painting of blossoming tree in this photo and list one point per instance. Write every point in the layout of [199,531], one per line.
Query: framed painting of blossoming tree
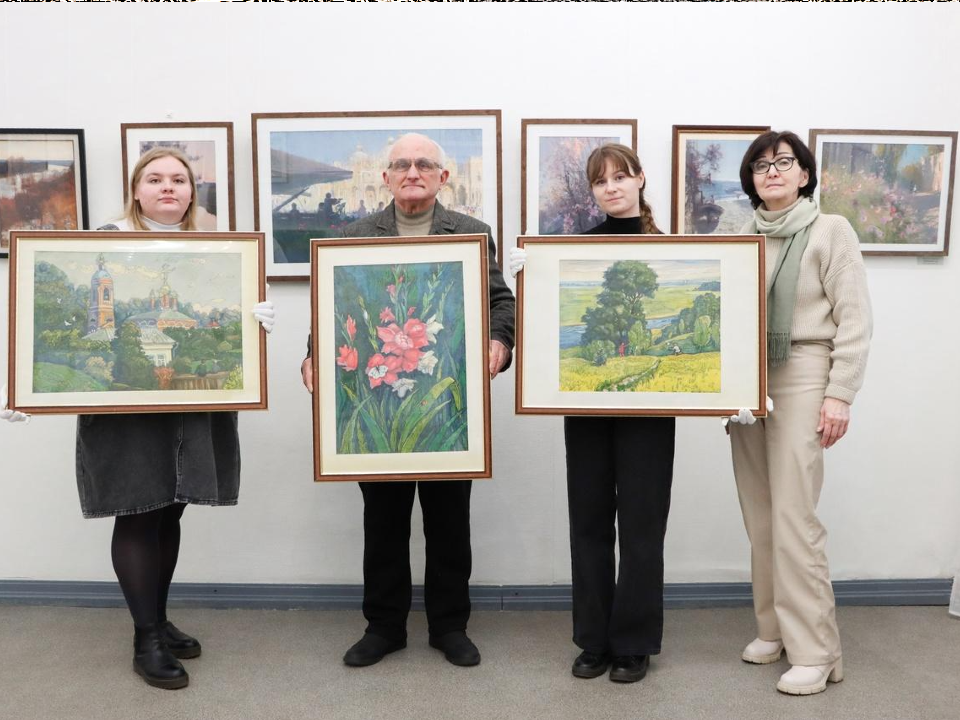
[894,186]
[555,196]
[399,341]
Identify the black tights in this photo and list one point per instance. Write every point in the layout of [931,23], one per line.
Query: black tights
[144,550]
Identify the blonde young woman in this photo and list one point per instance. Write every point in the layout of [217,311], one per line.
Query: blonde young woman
[619,477]
[818,336]
[144,469]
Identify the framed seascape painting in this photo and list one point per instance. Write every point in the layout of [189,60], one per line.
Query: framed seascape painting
[43,182]
[894,186]
[121,322]
[641,325]
[706,193]
[399,348]
[315,173]
[209,148]
[555,196]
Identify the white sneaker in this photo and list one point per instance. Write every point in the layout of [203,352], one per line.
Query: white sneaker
[763,652]
[810,679]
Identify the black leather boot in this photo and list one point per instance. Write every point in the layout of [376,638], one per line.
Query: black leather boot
[154,662]
[179,644]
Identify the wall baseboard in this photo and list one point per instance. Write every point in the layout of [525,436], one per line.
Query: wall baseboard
[484,597]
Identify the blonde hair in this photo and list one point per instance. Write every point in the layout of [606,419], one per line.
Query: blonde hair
[133,213]
[625,160]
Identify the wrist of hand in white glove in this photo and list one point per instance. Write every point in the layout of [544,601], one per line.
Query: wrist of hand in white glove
[745,417]
[518,258]
[10,415]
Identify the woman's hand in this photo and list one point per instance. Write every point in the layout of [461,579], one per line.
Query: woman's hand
[10,415]
[834,421]
[518,258]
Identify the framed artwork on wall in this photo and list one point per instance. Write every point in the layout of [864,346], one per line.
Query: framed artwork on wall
[894,186]
[43,181]
[315,173]
[399,348]
[555,195]
[208,146]
[641,325]
[119,322]
[706,193]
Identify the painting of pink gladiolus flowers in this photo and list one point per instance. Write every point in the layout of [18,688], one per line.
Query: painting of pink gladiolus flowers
[894,191]
[401,358]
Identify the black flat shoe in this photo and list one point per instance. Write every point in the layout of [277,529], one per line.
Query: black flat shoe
[371,649]
[179,644]
[154,662]
[590,665]
[629,668]
[457,648]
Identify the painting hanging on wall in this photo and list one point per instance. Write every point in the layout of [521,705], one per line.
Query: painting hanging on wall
[209,148]
[42,181]
[894,186]
[399,339]
[109,322]
[707,195]
[641,325]
[315,173]
[555,195]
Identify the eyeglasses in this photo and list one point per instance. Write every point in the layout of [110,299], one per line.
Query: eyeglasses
[762,167]
[422,164]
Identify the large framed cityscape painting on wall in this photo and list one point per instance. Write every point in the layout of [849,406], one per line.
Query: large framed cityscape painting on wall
[706,193]
[641,325]
[209,148]
[43,182]
[113,322]
[315,173]
[894,186]
[399,350]
[555,196]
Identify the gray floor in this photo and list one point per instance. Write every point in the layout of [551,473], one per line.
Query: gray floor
[68,663]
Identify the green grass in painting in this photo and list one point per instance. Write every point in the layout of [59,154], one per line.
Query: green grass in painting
[675,373]
[667,302]
[49,377]
[579,375]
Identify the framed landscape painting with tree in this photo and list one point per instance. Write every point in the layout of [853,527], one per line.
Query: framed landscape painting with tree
[115,322]
[399,346]
[641,325]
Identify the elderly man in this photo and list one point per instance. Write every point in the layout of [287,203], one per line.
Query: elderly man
[415,174]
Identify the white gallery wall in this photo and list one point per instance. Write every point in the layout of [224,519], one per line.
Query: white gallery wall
[891,501]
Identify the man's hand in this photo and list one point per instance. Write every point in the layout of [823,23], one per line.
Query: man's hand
[834,421]
[306,372]
[498,358]
[10,415]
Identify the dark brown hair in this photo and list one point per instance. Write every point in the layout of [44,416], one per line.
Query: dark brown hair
[771,140]
[625,159]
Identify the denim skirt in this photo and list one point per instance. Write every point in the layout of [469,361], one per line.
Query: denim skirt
[130,464]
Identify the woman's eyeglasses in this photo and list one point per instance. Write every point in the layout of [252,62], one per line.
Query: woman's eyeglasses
[762,167]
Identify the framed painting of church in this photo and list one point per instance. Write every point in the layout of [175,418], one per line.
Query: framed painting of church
[133,322]
[317,172]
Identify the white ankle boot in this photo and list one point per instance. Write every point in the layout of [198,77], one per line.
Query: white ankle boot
[810,679]
[763,652]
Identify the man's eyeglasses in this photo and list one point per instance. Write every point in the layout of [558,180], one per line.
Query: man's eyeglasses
[762,167]
[422,164]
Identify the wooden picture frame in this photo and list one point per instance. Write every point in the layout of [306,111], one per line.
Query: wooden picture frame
[894,186]
[690,355]
[332,163]
[43,181]
[208,146]
[701,202]
[555,151]
[400,343]
[123,322]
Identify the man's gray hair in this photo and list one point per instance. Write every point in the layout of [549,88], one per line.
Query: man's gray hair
[440,152]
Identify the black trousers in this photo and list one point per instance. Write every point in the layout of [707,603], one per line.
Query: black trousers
[387,585]
[618,469]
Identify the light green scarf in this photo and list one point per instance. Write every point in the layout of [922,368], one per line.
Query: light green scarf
[794,225]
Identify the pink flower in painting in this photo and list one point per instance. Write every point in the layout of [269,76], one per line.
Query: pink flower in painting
[386,315]
[392,290]
[382,369]
[348,358]
[351,330]
[416,331]
[396,341]
[400,280]
[411,311]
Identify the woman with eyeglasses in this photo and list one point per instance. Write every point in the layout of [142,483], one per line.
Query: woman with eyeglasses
[818,337]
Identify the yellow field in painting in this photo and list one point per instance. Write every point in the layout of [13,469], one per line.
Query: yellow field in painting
[698,373]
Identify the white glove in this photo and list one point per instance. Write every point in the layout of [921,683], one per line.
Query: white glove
[265,314]
[518,258]
[745,417]
[10,415]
